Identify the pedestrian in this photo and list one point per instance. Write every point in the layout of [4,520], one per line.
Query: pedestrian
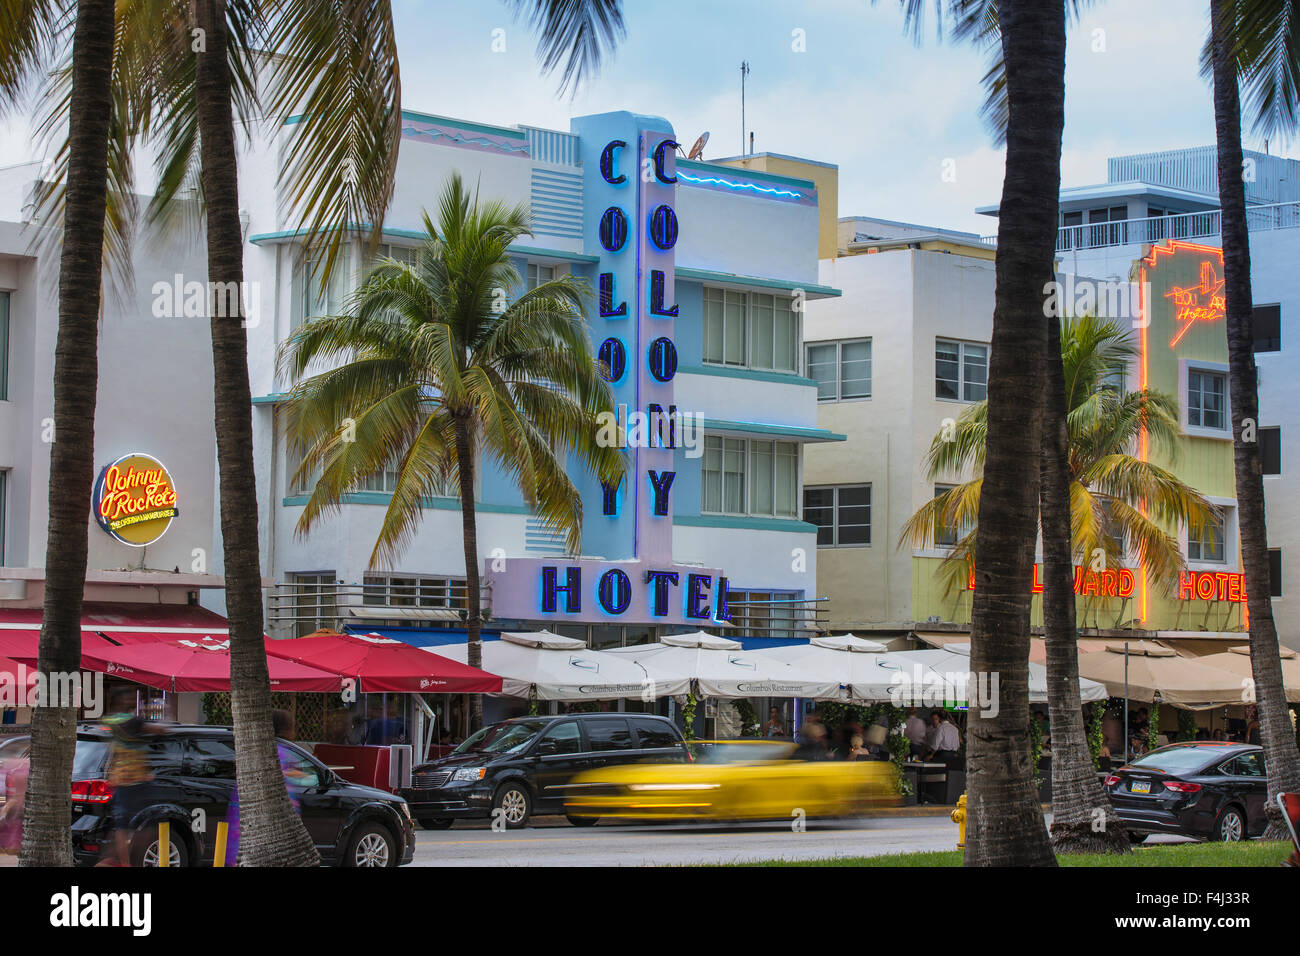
[130,770]
[914,731]
[283,726]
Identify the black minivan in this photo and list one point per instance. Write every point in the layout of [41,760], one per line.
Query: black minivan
[193,769]
[524,766]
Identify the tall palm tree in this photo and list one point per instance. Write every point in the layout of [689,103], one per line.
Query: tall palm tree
[1096,495]
[434,375]
[29,35]
[1258,41]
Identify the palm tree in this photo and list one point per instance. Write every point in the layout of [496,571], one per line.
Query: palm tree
[29,34]
[1096,496]
[1255,40]
[434,374]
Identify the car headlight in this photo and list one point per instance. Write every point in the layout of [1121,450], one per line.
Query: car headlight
[470,773]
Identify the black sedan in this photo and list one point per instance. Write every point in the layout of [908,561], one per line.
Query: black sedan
[1212,790]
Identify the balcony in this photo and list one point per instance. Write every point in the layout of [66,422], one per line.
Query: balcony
[1189,225]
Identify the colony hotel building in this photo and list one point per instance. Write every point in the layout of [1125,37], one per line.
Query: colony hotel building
[699,273]
[906,349]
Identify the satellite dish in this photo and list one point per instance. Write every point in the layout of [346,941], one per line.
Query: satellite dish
[698,148]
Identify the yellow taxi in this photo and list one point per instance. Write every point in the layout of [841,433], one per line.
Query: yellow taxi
[733,780]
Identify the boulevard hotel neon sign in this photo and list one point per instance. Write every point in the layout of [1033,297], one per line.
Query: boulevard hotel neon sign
[1122,583]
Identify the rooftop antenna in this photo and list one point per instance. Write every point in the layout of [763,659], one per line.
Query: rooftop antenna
[744,72]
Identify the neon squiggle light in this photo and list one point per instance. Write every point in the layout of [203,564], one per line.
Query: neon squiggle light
[714,181]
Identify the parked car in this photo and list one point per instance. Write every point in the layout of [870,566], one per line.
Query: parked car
[193,768]
[736,780]
[526,765]
[1213,790]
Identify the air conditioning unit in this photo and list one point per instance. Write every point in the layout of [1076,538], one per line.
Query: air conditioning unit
[13,589]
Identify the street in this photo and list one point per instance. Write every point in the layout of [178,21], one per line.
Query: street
[550,841]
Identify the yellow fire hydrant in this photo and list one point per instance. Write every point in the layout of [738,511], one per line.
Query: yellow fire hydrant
[959,818]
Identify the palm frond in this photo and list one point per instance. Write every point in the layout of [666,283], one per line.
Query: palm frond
[573,36]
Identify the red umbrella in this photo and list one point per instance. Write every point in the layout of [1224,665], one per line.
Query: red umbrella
[23,645]
[20,678]
[381,665]
[190,665]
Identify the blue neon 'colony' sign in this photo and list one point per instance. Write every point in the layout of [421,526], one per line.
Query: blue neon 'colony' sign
[637,230]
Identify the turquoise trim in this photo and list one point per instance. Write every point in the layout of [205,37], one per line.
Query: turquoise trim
[274,398]
[742,173]
[753,374]
[417,234]
[464,124]
[746,522]
[812,289]
[553,254]
[438,504]
[763,428]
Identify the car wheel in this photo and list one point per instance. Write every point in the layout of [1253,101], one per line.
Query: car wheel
[436,823]
[371,845]
[1230,827]
[1135,837]
[582,821]
[514,805]
[146,853]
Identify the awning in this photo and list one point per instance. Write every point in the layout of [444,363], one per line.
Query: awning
[942,638]
[124,622]
[406,613]
[199,666]
[1202,643]
[381,665]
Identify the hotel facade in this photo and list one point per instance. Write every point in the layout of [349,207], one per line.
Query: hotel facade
[904,350]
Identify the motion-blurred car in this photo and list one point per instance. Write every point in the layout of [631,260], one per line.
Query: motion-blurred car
[735,780]
[1209,789]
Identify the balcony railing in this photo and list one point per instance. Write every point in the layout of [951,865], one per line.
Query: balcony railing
[1188,225]
[300,607]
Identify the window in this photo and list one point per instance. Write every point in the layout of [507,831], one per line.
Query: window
[1207,399]
[653,733]
[4,513]
[385,482]
[749,477]
[764,613]
[210,757]
[961,371]
[1275,572]
[296,485]
[1207,544]
[1116,380]
[538,275]
[751,330]
[947,535]
[1270,450]
[315,602]
[299,771]
[565,738]
[609,733]
[401,590]
[1268,328]
[4,346]
[1245,765]
[317,298]
[842,515]
[842,369]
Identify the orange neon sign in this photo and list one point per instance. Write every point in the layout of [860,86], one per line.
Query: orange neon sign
[1212,586]
[1203,302]
[1112,582]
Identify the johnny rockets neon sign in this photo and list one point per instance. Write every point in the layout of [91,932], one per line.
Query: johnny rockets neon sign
[1203,302]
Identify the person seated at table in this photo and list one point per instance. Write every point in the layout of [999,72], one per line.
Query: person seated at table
[914,731]
[858,749]
[946,740]
[1103,757]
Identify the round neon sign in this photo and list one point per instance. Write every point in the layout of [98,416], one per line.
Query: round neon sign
[135,500]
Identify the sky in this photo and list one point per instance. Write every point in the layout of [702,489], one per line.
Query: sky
[891,113]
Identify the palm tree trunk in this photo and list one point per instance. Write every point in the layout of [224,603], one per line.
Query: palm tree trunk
[1083,820]
[1282,760]
[271,834]
[47,840]
[1006,825]
[469,535]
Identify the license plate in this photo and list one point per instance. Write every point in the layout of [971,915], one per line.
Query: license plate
[1140,786]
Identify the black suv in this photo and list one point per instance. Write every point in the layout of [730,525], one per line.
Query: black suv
[1214,790]
[523,766]
[193,767]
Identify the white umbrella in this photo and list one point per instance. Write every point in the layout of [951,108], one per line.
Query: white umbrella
[557,668]
[955,658]
[844,661]
[719,667]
